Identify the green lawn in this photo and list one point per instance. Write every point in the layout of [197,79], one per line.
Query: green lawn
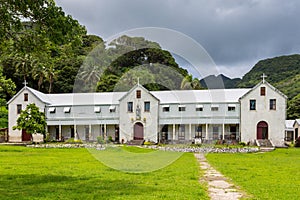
[273,175]
[27,173]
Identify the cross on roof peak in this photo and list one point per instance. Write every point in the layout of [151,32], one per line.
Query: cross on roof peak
[263,77]
[25,82]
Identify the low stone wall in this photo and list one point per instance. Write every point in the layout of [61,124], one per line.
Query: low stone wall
[66,146]
[208,149]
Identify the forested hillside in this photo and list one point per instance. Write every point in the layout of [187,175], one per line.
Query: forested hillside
[39,43]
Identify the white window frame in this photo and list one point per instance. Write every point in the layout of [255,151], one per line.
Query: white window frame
[199,108]
[67,109]
[112,109]
[52,110]
[214,107]
[181,108]
[97,109]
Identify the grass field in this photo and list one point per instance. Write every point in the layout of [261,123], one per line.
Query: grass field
[273,175]
[27,173]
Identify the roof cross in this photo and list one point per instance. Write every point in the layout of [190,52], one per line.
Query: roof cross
[263,77]
[25,82]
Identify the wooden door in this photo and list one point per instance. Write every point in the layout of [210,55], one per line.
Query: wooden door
[25,136]
[138,131]
[262,130]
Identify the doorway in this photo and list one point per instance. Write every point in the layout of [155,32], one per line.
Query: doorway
[262,131]
[138,131]
[25,136]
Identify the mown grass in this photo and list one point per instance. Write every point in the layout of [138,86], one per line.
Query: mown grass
[135,159]
[27,173]
[273,175]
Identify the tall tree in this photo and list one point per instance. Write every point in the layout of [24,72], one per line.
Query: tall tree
[36,31]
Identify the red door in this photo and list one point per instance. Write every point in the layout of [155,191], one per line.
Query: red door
[138,131]
[25,136]
[262,130]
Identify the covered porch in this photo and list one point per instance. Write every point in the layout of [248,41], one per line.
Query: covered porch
[206,133]
[88,133]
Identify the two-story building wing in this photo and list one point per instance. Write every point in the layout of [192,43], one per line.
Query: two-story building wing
[263,112]
[179,116]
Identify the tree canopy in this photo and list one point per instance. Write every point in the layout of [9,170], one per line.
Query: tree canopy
[107,66]
[35,37]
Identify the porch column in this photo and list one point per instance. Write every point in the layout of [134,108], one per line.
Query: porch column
[90,131]
[101,130]
[174,130]
[105,134]
[59,132]
[223,131]
[75,132]
[190,131]
[206,131]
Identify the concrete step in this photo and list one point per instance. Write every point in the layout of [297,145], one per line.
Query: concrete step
[267,149]
[264,143]
[135,142]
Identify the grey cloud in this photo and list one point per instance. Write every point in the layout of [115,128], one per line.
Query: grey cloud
[234,32]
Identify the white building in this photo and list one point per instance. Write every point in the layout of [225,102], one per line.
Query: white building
[159,116]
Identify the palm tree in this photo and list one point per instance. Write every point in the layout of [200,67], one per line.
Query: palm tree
[39,72]
[90,74]
[50,75]
[24,64]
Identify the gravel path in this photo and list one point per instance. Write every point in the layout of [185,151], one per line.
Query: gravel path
[218,186]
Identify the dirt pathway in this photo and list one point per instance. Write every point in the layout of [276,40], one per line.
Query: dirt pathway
[218,186]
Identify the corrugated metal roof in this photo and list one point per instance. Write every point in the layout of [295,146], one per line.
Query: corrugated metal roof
[165,97]
[200,96]
[106,98]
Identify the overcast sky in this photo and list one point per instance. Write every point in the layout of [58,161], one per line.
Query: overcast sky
[235,33]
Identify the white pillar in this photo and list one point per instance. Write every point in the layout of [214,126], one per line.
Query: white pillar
[90,132]
[174,130]
[100,130]
[223,131]
[59,132]
[206,131]
[105,133]
[75,132]
[190,131]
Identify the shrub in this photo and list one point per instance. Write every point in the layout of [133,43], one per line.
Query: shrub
[242,144]
[148,143]
[110,139]
[297,142]
[47,137]
[100,140]
[73,141]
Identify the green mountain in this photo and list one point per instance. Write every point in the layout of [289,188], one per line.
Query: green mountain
[219,82]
